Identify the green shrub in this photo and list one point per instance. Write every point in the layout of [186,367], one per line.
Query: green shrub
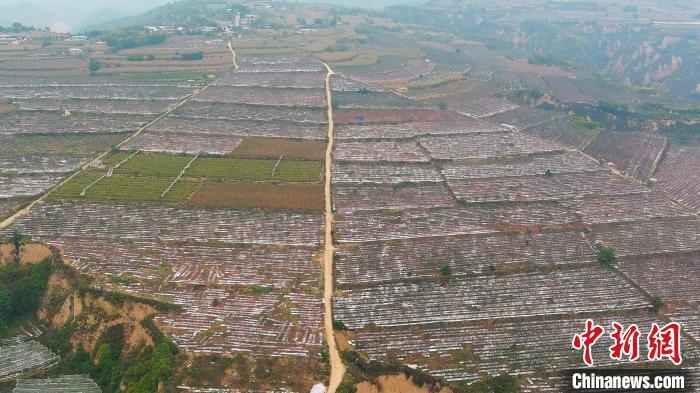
[30,287]
[124,279]
[656,303]
[610,106]
[192,56]
[339,325]
[583,122]
[94,65]
[346,387]
[606,255]
[445,271]
[256,289]
[119,40]
[60,341]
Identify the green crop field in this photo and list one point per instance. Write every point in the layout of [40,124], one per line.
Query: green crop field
[144,177]
[153,165]
[233,169]
[126,189]
[113,158]
[216,168]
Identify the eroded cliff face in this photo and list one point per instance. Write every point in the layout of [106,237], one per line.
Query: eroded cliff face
[638,55]
[665,62]
[91,314]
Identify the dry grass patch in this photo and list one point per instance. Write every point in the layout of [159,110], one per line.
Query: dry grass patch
[398,383]
[34,253]
[273,148]
[437,45]
[522,66]
[259,195]
[7,253]
[446,87]
[339,56]
[364,57]
[7,107]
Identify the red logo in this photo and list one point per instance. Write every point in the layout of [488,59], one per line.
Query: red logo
[586,340]
[626,342]
[664,343]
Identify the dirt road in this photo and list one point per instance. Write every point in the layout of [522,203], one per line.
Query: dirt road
[233,55]
[337,367]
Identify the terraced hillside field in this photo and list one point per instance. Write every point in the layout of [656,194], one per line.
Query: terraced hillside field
[454,247]
[290,216]
[219,218]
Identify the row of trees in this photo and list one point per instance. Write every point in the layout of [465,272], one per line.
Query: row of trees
[127,39]
[199,55]
[20,28]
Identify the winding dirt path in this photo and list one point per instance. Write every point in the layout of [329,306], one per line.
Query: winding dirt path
[337,367]
[233,55]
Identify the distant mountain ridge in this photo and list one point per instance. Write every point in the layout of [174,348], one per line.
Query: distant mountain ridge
[99,17]
[186,11]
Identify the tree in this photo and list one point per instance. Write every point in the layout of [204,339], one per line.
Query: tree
[339,325]
[606,255]
[153,39]
[656,303]
[94,66]
[5,304]
[81,363]
[445,271]
[5,310]
[30,288]
[17,238]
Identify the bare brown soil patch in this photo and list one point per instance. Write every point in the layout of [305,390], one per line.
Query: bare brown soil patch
[34,253]
[273,148]
[396,384]
[7,107]
[259,195]
[7,252]
[343,338]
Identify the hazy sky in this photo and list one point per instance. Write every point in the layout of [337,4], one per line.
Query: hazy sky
[93,5]
[74,12]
